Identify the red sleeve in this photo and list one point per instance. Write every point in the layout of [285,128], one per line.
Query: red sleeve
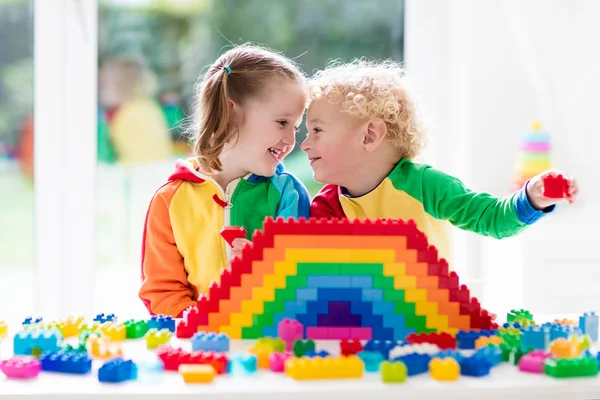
[326,203]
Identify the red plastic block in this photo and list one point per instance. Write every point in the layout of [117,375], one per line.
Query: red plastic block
[230,233]
[172,358]
[350,346]
[556,187]
[442,340]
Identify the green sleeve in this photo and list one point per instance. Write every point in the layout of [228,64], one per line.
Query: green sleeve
[446,197]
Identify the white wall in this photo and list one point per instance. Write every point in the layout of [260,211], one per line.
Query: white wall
[486,69]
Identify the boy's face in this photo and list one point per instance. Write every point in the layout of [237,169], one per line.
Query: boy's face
[334,144]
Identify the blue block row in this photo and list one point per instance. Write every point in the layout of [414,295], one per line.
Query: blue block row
[102,318]
[415,363]
[161,322]
[68,362]
[27,342]
[117,370]
[210,341]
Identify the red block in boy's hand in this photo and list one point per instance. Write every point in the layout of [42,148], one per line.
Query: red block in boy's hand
[556,187]
[230,233]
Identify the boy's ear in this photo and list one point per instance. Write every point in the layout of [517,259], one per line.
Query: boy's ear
[376,131]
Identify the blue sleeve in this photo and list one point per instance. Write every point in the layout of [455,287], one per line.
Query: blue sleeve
[525,210]
[295,200]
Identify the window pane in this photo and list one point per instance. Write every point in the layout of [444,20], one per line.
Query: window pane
[16,158]
[150,56]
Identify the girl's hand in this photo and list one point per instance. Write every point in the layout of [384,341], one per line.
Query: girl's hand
[238,246]
[550,188]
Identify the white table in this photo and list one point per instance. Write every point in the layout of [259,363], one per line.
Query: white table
[504,382]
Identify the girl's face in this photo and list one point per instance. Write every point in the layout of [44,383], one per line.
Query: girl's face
[267,127]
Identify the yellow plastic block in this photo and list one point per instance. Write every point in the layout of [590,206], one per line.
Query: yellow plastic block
[285,268]
[405,282]
[101,347]
[394,269]
[3,329]
[254,306]
[427,308]
[156,338]
[342,367]
[444,369]
[93,327]
[337,255]
[234,332]
[415,295]
[197,373]
[260,295]
[70,326]
[272,282]
[241,319]
[116,332]
[262,354]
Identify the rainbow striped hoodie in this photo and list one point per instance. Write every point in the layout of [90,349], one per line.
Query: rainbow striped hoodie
[183,251]
[432,199]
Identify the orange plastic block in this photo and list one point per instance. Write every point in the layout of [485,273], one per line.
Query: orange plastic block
[262,354]
[103,348]
[197,373]
[483,341]
[342,367]
[563,348]
[444,369]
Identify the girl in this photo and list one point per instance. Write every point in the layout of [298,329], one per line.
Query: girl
[248,108]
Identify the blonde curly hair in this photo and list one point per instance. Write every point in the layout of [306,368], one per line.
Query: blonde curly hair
[374,90]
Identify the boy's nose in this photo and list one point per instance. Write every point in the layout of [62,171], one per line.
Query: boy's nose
[305,146]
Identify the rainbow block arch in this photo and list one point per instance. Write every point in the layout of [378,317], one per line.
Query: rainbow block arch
[339,278]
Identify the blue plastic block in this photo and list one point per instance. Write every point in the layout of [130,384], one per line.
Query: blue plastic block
[102,318]
[365,282]
[535,337]
[271,331]
[474,366]
[243,364]
[466,339]
[372,294]
[588,323]
[32,320]
[361,308]
[513,325]
[210,341]
[450,354]
[415,363]
[371,359]
[306,294]
[117,370]
[328,281]
[68,362]
[320,354]
[340,294]
[161,322]
[492,354]
[382,346]
[383,308]
[29,341]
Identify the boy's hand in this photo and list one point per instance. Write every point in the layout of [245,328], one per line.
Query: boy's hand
[550,188]
[238,246]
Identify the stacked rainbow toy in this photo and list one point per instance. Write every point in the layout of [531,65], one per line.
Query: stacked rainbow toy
[339,279]
[534,157]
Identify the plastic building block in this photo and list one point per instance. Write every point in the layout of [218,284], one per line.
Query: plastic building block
[210,341]
[272,344]
[518,315]
[393,372]
[571,368]
[103,348]
[382,346]
[194,373]
[491,353]
[117,370]
[290,330]
[312,353]
[135,329]
[563,348]
[466,339]
[415,363]
[69,327]
[342,367]
[475,366]
[442,340]
[535,337]
[21,367]
[533,362]
[172,358]
[444,369]
[102,318]
[371,359]
[262,354]
[556,187]
[29,342]
[32,320]
[230,233]
[66,362]
[450,354]
[244,364]
[588,323]
[3,329]
[115,331]
[303,346]
[424,348]
[156,338]
[277,361]
[350,347]
[484,341]
[516,353]
[162,322]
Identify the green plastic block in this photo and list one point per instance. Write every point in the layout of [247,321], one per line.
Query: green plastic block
[80,348]
[394,295]
[506,350]
[275,344]
[571,368]
[135,329]
[393,372]
[516,353]
[301,347]
[265,319]
[383,282]
[516,315]
[252,332]
[297,281]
